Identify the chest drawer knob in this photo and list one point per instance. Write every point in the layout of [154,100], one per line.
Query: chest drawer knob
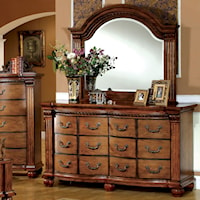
[67,145]
[2,108]
[153,171]
[63,165]
[93,168]
[65,126]
[93,148]
[93,128]
[2,124]
[2,92]
[121,169]
[153,151]
[121,149]
[121,129]
[153,131]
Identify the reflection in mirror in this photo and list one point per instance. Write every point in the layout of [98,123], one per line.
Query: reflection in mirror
[140,55]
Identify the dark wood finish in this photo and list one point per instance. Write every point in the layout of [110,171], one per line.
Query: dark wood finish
[148,146]
[166,32]
[20,119]
[6,191]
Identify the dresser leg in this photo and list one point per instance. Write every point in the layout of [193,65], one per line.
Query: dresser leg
[48,182]
[34,174]
[109,187]
[189,187]
[177,192]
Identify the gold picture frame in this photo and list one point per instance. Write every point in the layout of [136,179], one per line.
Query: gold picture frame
[32,47]
[141,97]
[161,92]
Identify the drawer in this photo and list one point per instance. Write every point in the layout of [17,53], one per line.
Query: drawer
[19,140]
[154,149]
[12,124]
[65,144]
[66,164]
[12,91]
[153,129]
[122,167]
[122,127]
[154,169]
[93,165]
[17,155]
[122,147]
[93,145]
[65,124]
[13,107]
[93,126]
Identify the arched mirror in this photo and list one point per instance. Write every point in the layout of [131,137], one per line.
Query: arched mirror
[153,46]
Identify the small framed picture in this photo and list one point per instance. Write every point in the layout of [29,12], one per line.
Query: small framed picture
[161,92]
[141,97]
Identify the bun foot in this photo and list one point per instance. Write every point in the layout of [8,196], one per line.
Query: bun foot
[189,187]
[48,182]
[177,192]
[109,187]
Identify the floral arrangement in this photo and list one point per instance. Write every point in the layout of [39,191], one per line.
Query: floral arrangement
[77,64]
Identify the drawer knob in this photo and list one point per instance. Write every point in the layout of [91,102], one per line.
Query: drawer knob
[153,171]
[2,108]
[153,151]
[2,92]
[65,126]
[67,145]
[63,165]
[121,169]
[2,124]
[121,149]
[121,129]
[93,168]
[153,131]
[93,128]
[93,148]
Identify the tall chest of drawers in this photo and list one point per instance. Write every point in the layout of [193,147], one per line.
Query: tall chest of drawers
[20,121]
[125,145]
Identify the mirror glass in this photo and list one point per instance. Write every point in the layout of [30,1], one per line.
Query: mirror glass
[140,55]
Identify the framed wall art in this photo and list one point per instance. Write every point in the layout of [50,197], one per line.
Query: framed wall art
[141,97]
[32,47]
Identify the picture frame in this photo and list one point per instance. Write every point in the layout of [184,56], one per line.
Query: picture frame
[32,47]
[161,92]
[141,97]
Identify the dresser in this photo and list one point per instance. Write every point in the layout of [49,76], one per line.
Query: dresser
[20,121]
[146,146]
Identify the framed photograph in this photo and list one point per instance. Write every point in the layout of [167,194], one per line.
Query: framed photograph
[161,92]
[141,97]
[32,47]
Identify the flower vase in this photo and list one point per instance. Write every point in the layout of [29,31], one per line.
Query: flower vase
[90,82]
[74,87]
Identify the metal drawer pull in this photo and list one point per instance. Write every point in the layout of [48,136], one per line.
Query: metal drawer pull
[153,131]
[121,149]
[121,129]
[153,151]
[93,128]
[2,92]
[93,148]
[67,145]
[121,170]
[93,168]
[153,171]
[2,108]
[66,126]
[63,165]
[2,124]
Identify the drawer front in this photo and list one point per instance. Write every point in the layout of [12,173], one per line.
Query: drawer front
[93,145]
[15,107]
[65,144]
[13,124]
[93,165]
[153,129]
[93,126]
[65,124]
[66,164]
[154,149]
[154,169]
[122,147]
[19,140]
[122,167]
[17,155]
[122,127]
[12,91]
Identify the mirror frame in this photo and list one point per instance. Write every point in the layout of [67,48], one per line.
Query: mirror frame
[166,32]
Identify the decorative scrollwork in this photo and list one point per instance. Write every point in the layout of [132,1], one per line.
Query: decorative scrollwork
[120,169]
[93,168]
[93,148]
[121,149]
[2,124]
[65,126]
[121,129]
[153,171]
[67,145]
[63,165]
[2,92]
[2,108]
[153,151]
[153,131]
[93,128]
